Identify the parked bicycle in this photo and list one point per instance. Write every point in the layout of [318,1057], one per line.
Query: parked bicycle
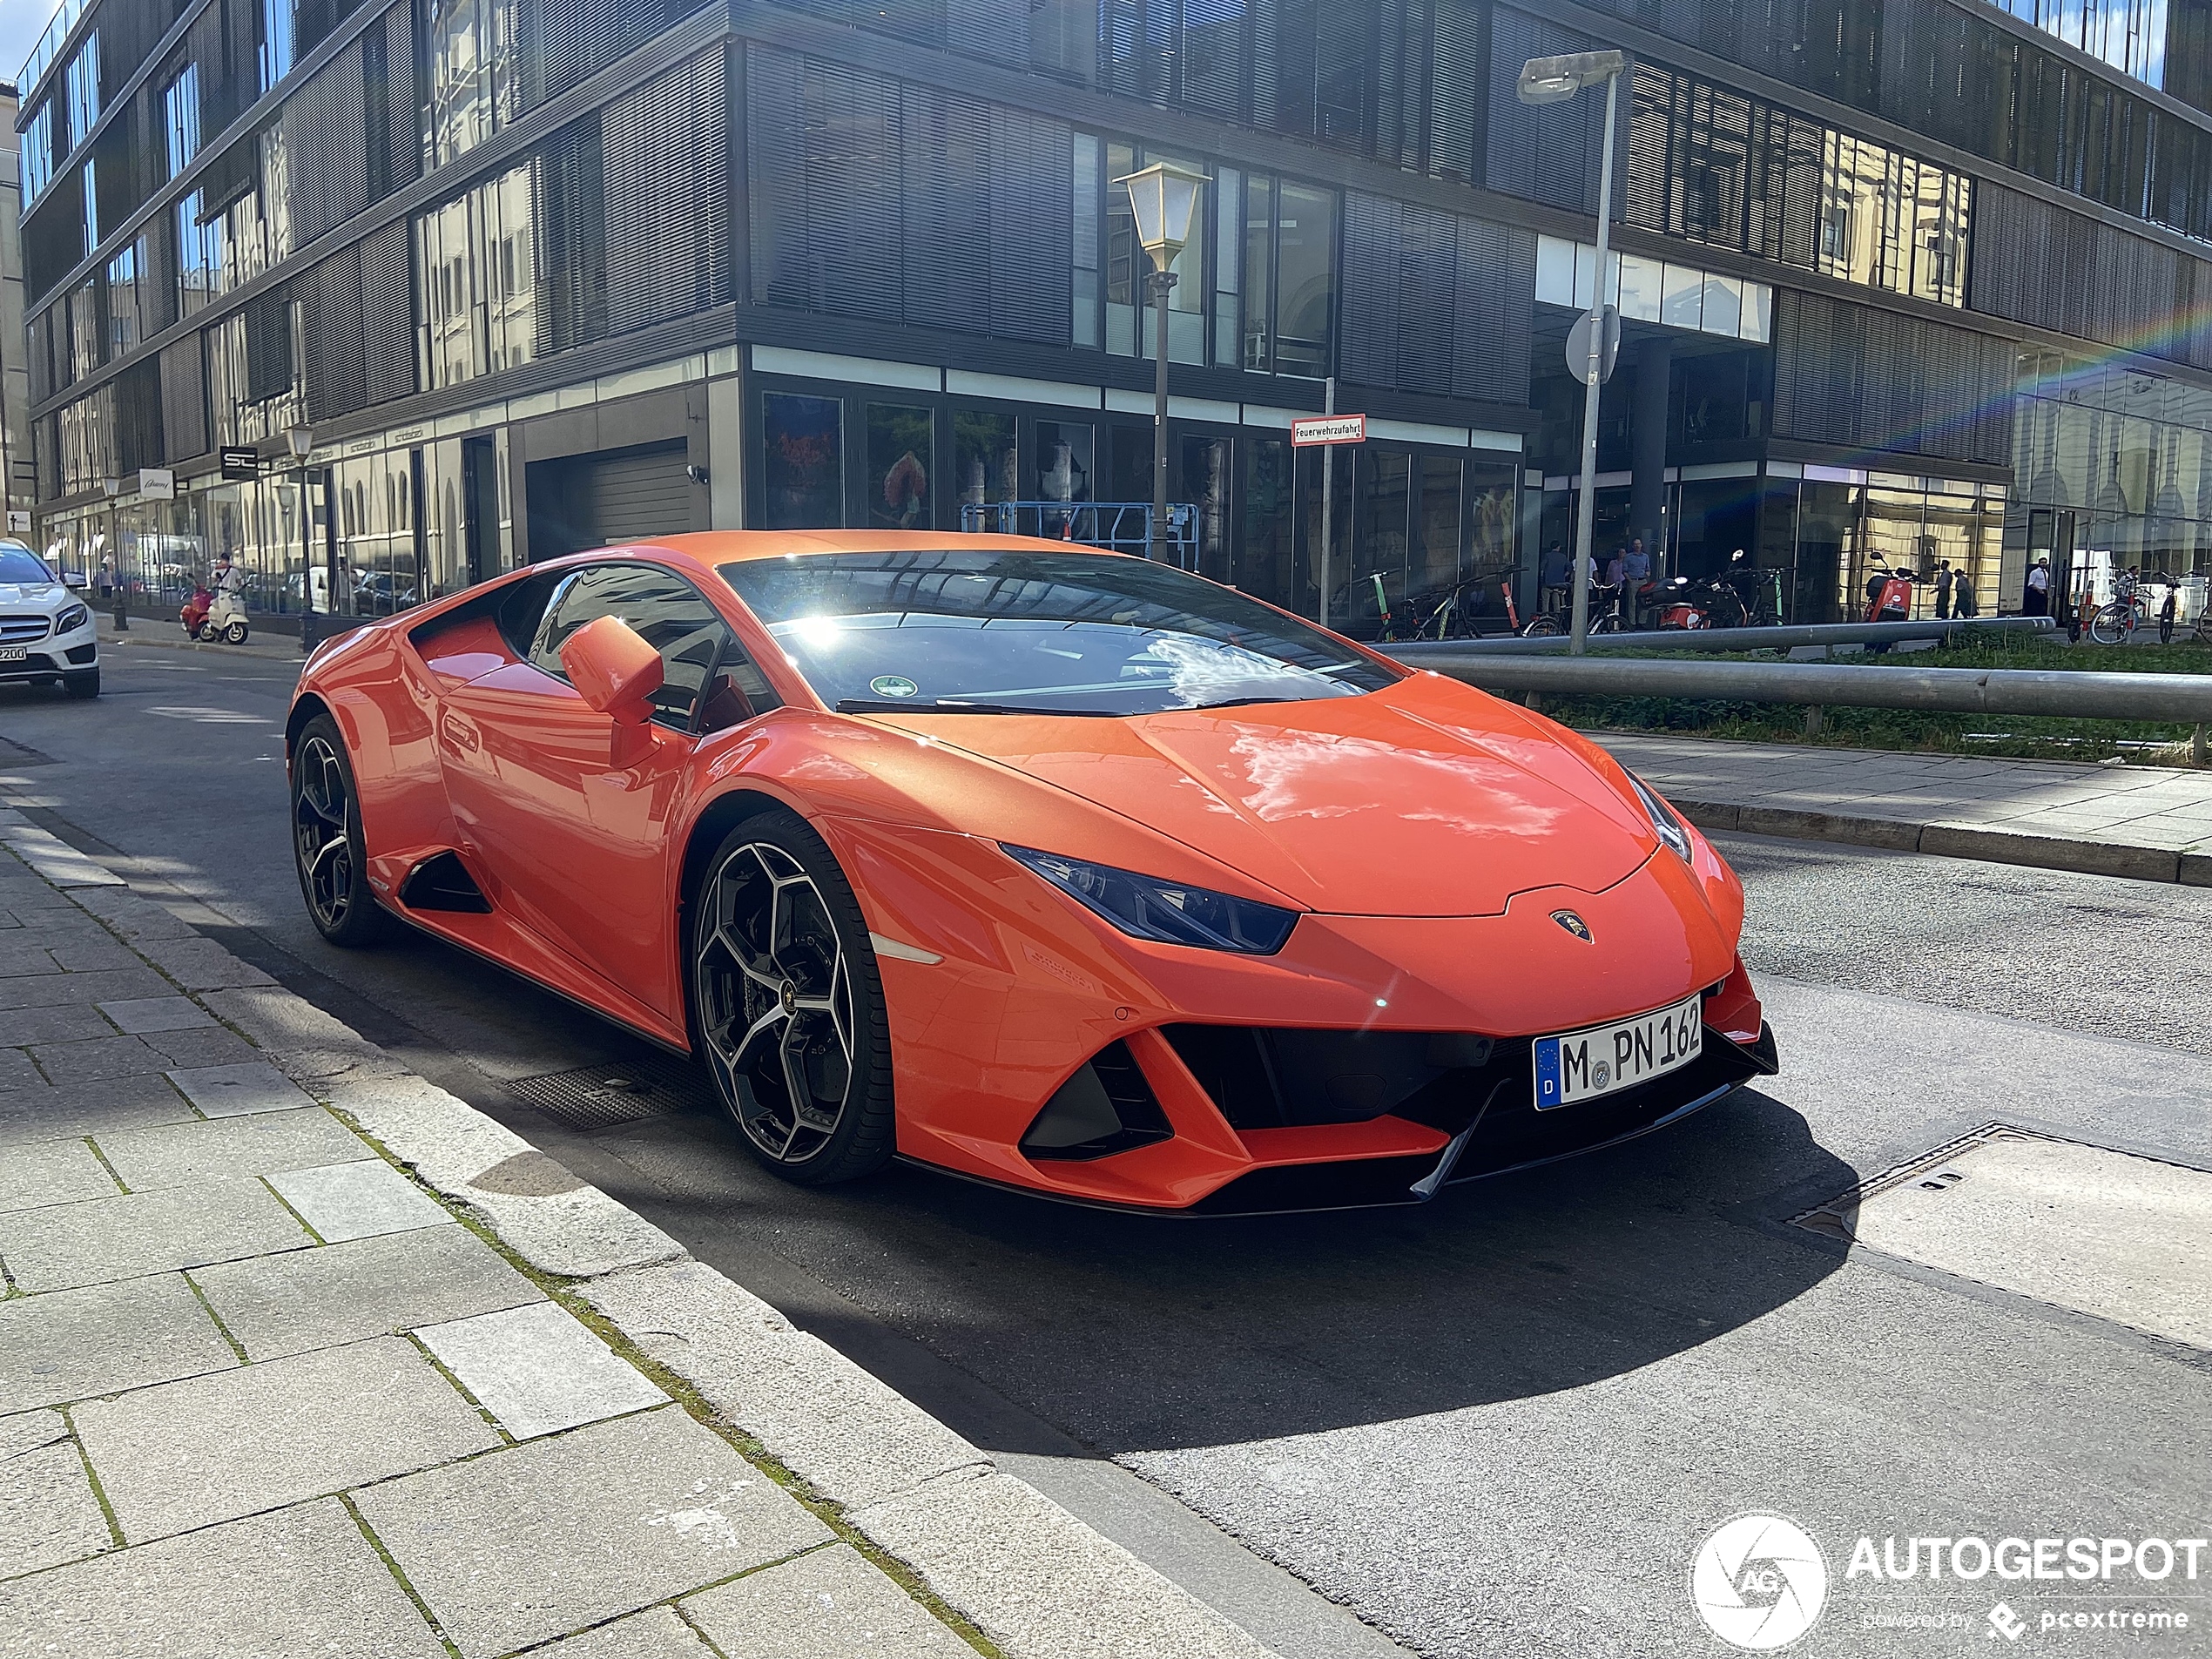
[2116,620]
[1463,612]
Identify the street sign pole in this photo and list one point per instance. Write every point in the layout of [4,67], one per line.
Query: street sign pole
[1328,493]
[1592,378]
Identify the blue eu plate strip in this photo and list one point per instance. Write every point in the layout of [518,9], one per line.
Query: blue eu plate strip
[1546,1073]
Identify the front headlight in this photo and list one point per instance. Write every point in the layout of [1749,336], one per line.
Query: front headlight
[1166,911]
[1671,829]
[72,619]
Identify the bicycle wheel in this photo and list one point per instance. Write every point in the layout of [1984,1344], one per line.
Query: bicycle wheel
[1608,624]
[1544,627]
[2112,624]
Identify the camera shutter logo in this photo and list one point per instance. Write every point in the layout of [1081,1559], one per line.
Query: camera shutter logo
[1759,1583]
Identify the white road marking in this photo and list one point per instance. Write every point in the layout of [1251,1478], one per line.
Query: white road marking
[212,717]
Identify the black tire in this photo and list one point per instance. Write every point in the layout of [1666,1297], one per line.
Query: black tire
[788,1004]
[1542,628]
[326,840]
[84,686]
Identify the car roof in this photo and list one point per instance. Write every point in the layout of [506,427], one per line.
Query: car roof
[717,547]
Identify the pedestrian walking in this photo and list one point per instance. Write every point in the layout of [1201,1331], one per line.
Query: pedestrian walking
[2036,600]
[1944,579]
[1963,605]
[104,579]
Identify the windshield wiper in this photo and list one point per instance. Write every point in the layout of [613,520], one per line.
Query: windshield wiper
[1235,703]
[942,706]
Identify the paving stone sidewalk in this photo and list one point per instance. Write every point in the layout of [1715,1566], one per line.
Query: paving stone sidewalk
[300,1355]
[2152,823]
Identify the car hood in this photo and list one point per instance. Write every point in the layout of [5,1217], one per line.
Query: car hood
[1424,798]
[32,593]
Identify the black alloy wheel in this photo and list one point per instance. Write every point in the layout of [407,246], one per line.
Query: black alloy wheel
[327,839]
[789,1005]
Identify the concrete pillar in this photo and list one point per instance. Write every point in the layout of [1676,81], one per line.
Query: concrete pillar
[1648,445]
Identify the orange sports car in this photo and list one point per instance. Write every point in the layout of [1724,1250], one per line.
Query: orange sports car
[1040,865]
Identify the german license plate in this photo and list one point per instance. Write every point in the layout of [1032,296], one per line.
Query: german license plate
[1582,1065]
[14,653]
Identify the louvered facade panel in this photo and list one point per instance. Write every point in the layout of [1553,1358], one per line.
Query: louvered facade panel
[665,151]
[184,400]
[1032,214]
[329,292]
[139,440]
[1367,337]
[387,317]
[942,149]
[1428,271]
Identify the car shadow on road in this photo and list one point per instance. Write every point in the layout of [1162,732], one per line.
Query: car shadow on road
[1139,1334]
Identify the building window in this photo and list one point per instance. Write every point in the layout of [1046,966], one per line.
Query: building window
[91,189]
[2130,35]
[85,341]
[803,477]
[276,41]
[37,165]
[1085,202]
[900,438]
[193,283]
[472,52]
[126,321]
[476,273]
[180,118]
[984,463]
[1132,328]
[1289,277]
[81,88]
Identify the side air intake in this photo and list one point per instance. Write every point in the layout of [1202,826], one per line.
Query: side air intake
[442,882]
[1107,1107]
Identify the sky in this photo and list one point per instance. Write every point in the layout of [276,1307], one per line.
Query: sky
[20,23]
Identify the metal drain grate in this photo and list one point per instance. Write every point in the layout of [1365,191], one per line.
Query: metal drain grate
[617,1092]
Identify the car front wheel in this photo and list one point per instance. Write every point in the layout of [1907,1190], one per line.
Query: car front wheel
[789,1004]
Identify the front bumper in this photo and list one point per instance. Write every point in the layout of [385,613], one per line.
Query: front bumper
[50,658]
[1501,1132]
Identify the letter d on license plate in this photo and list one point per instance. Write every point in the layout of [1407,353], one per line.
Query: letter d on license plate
[1582,1065]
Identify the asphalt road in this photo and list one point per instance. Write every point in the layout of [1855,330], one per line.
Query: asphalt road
[1498,1425]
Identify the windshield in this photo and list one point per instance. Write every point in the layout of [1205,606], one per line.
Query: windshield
[1021,633]
[19,564]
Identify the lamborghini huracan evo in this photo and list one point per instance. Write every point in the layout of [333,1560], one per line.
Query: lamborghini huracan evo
[1047,867]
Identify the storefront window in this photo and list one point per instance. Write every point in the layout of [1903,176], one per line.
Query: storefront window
[803,474]
[1206,485]
[1264,562]
[983,457]
[900,438]
[1063,462]
[1436,524]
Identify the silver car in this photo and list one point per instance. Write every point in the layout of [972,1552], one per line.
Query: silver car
[46,632]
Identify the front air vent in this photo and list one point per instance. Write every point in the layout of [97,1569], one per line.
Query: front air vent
[1107,1107]
[442,882]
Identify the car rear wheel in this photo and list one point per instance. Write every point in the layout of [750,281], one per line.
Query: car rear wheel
[789,1005]
[327,839]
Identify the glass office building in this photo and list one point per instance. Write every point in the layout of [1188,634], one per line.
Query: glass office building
[481,282]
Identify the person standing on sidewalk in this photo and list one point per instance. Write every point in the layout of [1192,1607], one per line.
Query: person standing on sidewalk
[2036,600]
[1944,581]
[1635,570]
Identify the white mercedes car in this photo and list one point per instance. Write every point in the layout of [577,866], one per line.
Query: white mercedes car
[47,634]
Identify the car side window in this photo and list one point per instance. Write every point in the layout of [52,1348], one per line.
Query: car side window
[707,681]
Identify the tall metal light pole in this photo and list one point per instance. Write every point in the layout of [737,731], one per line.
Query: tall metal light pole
[1554,80]
[1163,196]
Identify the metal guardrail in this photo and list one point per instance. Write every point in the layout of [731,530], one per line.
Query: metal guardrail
[2179,698]
[1783,638]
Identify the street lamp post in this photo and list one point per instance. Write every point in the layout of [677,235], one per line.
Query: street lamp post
[1554,80]
[300,440]
[1163,197]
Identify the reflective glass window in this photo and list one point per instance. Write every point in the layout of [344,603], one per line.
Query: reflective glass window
[803,461]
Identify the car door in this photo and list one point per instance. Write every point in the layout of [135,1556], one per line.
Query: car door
[578,845]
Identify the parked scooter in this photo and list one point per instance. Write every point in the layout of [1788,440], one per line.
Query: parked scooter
[211,616]
[1889,599]
[1687,602]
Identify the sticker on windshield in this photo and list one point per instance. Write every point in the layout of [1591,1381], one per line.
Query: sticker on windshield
[892,685]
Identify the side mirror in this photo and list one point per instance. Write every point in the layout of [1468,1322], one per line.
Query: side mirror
[613,669]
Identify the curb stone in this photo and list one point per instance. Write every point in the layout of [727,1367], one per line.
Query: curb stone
[1956,841]
[1035,1581]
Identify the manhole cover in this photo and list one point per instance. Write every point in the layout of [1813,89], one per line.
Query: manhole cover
[617,1092]
[2105,1233]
